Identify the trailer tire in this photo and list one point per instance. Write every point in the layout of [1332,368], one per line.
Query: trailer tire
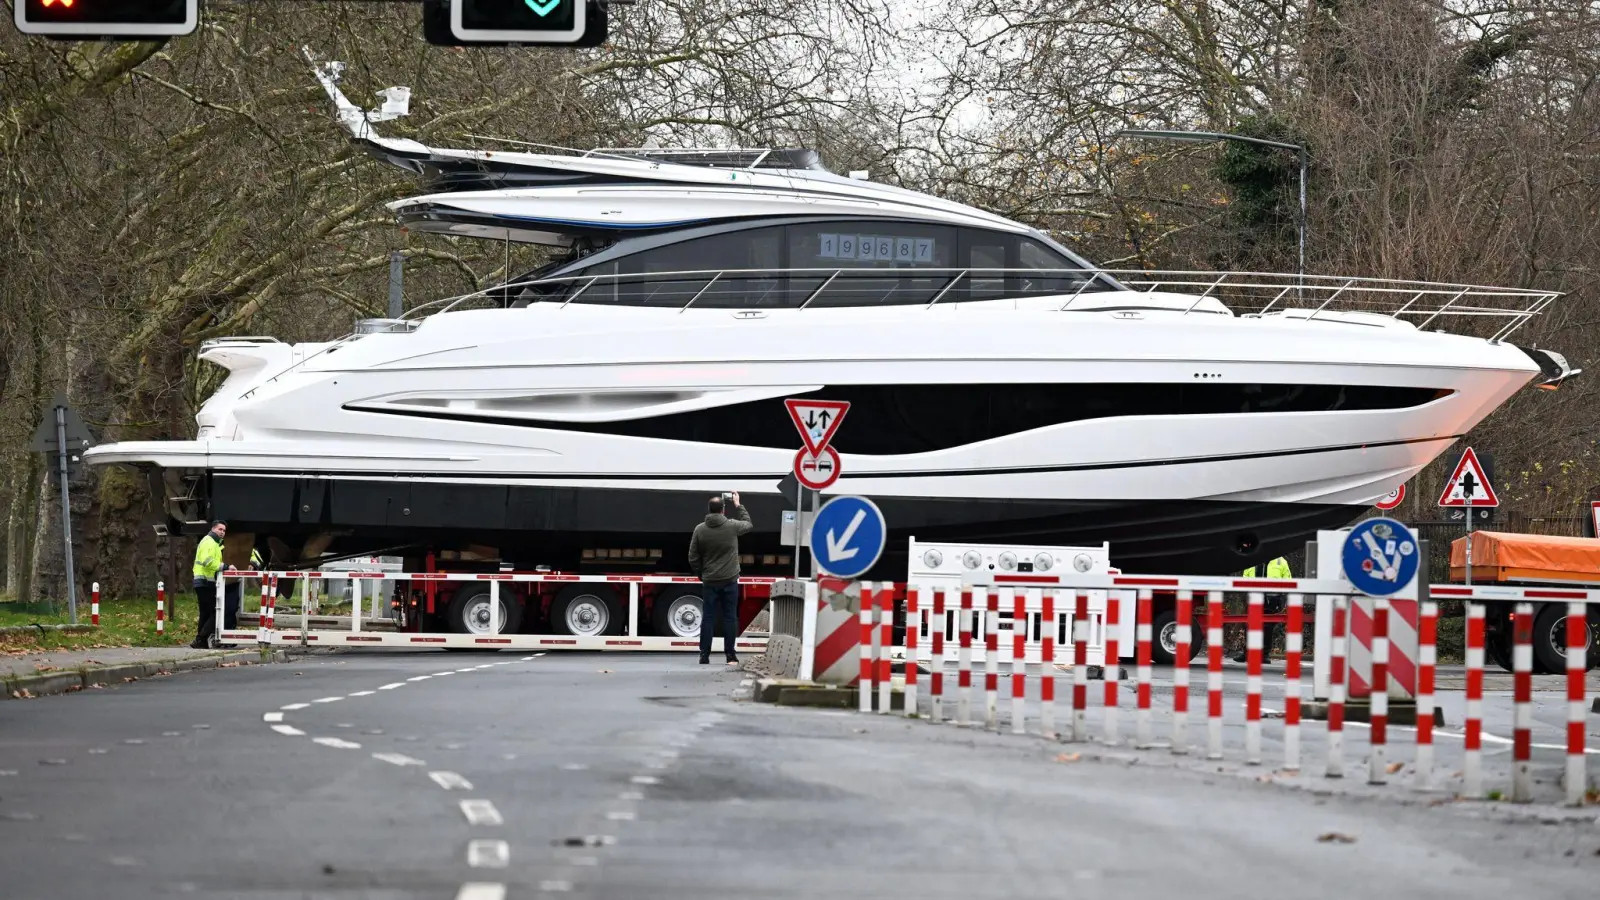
[1550,639]
[468,612]
[678,613]
[587,610]
[1164,639]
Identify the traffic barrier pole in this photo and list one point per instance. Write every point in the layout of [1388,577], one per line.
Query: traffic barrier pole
[1214,674]
[1019,660]
[1522,700]
[864,690]
[1180,673]
[1427,659]
[94,604]
[1047,661]
[1577,661]
[1113,660]
[1377,773]
[1143,659]
[261,611]
[991,658]
[1472,741]
[161,607]
[1254,609]
[1293,648]
[913,625]
[272,607]
[937,657]
[964,626]
[1080,668]
[1336,689]
[885,644]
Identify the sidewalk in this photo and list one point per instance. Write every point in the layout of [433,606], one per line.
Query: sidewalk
[63,671]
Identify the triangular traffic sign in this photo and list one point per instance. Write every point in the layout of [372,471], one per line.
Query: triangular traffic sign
[816,420]
[78,437]
[1468,486]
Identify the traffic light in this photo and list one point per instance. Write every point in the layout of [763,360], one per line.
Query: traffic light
[477,23]
[89,20]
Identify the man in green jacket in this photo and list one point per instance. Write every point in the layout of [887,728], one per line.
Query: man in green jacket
[207,563]
[714,557]
[1274,604]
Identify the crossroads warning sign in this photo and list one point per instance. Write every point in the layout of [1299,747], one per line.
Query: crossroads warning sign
[1468,486]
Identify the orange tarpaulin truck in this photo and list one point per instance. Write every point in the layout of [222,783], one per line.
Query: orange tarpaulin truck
[1506,558]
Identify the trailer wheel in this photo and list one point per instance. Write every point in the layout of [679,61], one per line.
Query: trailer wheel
[587,611]
[468,612]
[1550,638]
[678,613]
[1164,646]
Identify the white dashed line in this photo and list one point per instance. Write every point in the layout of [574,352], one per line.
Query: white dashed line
[481,812]
[450,781]
[465,671]
[98,751]
[287,729]
[295,706]
[630,795]
[399,684]
[134,741]
[8,773]
[328,700]
[574,767]
[398,759]
[272,717]
[337,743]
[622,815]
[363,693]
[443,674]
[171,734]
[482,854]
[481,890]
[646,779]
[535,656]
[420,678]
[555,887]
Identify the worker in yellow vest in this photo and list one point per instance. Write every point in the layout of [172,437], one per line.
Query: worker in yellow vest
[1274,604]
[207,563]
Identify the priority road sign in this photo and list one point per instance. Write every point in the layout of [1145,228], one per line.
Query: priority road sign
[1380,557]
[816,420]
[818,471]
[848,536]
[1468,485]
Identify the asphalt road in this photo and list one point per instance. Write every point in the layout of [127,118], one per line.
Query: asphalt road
[641,777]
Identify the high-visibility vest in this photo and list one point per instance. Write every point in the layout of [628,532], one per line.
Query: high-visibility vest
[1278,568]
[255,559]
[207,558]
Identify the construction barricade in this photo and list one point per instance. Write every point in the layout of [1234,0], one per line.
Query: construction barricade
[1005,690]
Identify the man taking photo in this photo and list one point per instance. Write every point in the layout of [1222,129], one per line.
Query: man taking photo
[714,557]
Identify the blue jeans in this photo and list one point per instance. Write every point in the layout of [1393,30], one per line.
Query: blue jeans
[720,605]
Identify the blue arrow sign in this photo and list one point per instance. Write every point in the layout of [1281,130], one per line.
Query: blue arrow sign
[847,536]
[1380,557]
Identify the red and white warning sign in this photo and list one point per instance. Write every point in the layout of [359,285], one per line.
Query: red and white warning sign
[817,471]
[817,421]
[1392,499]
[1468,486]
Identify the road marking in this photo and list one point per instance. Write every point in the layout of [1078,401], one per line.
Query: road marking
[481,812]
[622,815]
[294,706]
[484,854]
[171,734]
[363,693]
[287,729]
[398,759]
[481,890]
[630,795]
[465,671]
[272,717]
[328,700]
[645,779]
[8,773]
[420,678]
[555,887]
[443,674]
[134,741]
[450,781]
[390,687]
[98,751]
[337,743]
[574,767]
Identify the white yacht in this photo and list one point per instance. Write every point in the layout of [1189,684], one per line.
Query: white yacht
[1003,389]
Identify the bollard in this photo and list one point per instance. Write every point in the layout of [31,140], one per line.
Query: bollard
[1214,674]
[1047,660]
[1293,649]
[1113,663]
[1522,703]
[1080,668]
[1336,690]
[937,656]
[1019,660]
[991,658]
[1252,679]
[1427,659]
[864,688]
[913,625]
[1577,661]
[94,604]
[1377,772]
[261,611]
[964,626]
[1144,657]
[1472,763]
[1180,673]
[161,607]
[886,641]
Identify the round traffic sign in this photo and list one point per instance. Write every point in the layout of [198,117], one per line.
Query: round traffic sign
[1392,499]
[848,536]
[820,471]
[1380,557]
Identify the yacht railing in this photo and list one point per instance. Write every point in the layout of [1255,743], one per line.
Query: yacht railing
[1492,312]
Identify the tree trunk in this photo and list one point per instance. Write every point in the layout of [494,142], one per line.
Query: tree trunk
[26,476]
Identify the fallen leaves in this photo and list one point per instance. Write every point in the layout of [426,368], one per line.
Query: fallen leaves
[1394,767]
[1068,757]
[1335,837]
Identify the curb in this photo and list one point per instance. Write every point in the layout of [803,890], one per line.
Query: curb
[47,683]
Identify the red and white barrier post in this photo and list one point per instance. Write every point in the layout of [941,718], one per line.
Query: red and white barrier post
[1252,679]
[261,611]
[1427,660]
[885,642]
[1019,660]
[1472,763]
[1522,700]
[913,625]
[1377,767]
[94,604]
[864,687]
[1336,688]
[1144,657]
[161,607]
[1577,661]
[991,658]
[964,626]
[1214,675]
[1180,673]
[1080,668]
[1047,656]
[1293,648]
[1112,667]
[936,680]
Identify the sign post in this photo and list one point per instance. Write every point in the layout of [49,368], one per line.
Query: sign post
[1468,487]
[63,435]
[817,466]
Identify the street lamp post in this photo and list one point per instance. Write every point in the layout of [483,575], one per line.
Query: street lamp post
[1207,137]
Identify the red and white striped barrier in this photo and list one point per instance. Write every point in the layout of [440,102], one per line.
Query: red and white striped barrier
[161,607]
[94,604]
